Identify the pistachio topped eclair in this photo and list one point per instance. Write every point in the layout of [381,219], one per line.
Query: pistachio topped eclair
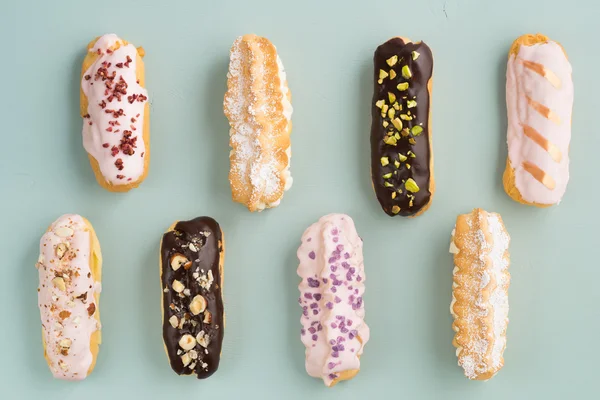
[401,151]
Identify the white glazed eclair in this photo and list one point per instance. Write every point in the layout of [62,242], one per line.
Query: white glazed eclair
[116,113]
[70,269]
[539,101]
[258,107]
[332,271]
[480,292]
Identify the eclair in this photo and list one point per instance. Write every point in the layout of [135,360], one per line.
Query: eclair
[401,149]
[258,107]
[70,272]
[480,292]
[116,113]
[192,255]
[539,103]
[331,297]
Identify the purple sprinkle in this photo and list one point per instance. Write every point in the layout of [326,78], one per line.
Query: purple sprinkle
[331,260]
[320,327]
[349,322]
[332,342]
[341,347]
[313,283]
[359,301]
[352,350]
[333,268]
[312,330]
[305,313]
[337,283]
[340,339]
[312,255]
[315,312]
[335,348]
[303,331]
[358,278]
[337,299]
[352,270]
[345,264]
[335,239]
[340,247]
[324,280]
[308,295]
[333,289]
[339,317]
[354,306]
[334,231]
[330,365]
[333,325]
[337,256]
[317,296]
[349,276]
[344,329]
[305,308]
[355,291]
[332,276]
[335,354]
[300,300]
[351,298]
[314,337]
[314,323]
[332,376]
[346,255]
[314,305]
[350,287]
[329,305]
[309,239]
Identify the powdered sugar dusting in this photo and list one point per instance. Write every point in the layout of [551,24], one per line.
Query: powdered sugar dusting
[252,139]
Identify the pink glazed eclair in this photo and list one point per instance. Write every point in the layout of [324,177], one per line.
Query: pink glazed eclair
[70,272]
[539,102]
[331,290]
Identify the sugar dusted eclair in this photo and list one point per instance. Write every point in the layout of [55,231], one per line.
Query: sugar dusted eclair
[192,254]
[116,113]
[401,150]
[332,271]
[539,101]
[258,107]
[70,272]
[480,292]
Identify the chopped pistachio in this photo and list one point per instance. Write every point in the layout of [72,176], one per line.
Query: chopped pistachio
[411,104]
[391,113]
[397,136]
[416,130]
[384,161]
[412,141]
[392,61]
[397,123]
[396,164]
[411,185]
[402,157]
[380,103]
[384,110]
[385,124]
[405,72]
[393,195]
[382,75]
[390,140]
[392,74]
[391,97]
[415,55]
[395,209]
[387,176]
[407,166]
[405,132]
[387,184]
[410,203]
[411,154]
[397,106]
[406,117]
[402,86]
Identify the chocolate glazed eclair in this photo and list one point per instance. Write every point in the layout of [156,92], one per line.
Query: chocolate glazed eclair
[191,272]
[401,151]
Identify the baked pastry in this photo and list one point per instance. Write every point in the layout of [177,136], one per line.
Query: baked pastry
[480,292]
[539,101]
[191,273]
[116,113]
[401,150]
[333,282]
[258,107]
[70,271]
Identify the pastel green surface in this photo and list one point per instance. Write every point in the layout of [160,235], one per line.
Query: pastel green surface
[327,49]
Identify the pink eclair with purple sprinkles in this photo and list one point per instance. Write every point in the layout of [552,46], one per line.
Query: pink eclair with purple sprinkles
[331,290]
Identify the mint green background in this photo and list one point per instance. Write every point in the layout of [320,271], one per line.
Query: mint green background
[326,46]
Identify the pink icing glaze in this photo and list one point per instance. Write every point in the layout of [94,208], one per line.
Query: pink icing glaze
[520,83]
[103,138]
[331,290]
[64,313]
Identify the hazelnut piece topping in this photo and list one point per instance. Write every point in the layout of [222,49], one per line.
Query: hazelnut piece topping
[61,249]
[59,283]
[174,321]
[187,342]
[179,260]
[178,286]
[198,304]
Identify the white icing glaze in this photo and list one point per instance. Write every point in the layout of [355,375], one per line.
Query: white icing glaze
[523,85]
[65,310]
[111,137]
[331,290]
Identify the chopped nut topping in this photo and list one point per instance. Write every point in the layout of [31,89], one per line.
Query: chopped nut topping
[406,72]
[416,130]
[178,286]
[379,103]
[59,283]
[178,260]
[411,185]
[64,231]
[207,317]
[415,55]
[61,249]
[202,339]
[392,74]
[384,161]
[174,321]
[395,209]
[391,97]
[187,342]
[198,304]
[91,309]
[402,86]
[411,104]
[186,359]
[392,61]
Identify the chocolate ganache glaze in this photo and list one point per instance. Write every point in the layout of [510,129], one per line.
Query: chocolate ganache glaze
[400,132]
[191,278]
